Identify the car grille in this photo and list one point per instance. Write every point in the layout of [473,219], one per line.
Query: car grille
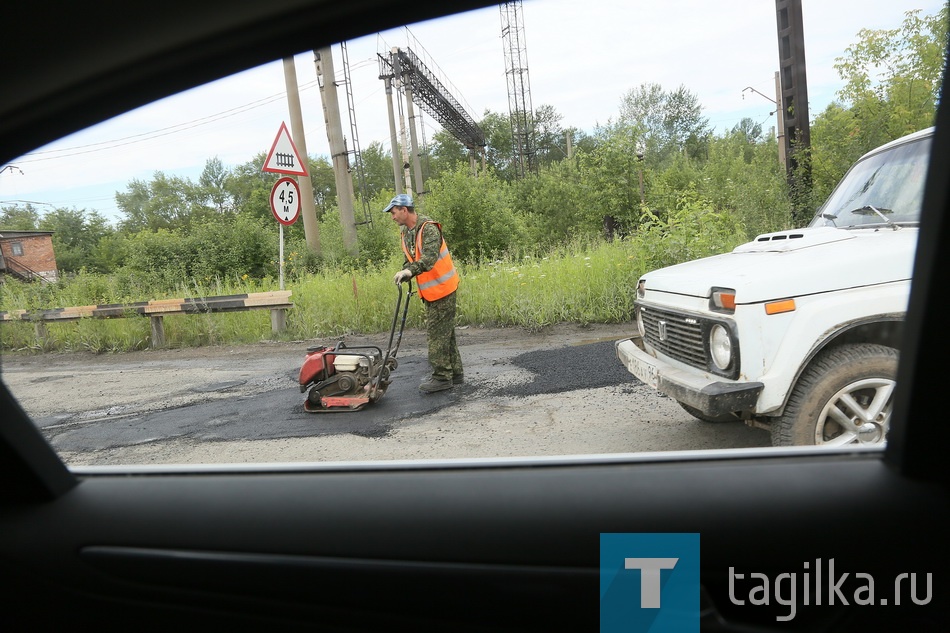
[683,335]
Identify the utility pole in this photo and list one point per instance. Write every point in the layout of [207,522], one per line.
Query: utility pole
[417,166]
[401,84]
[308,210]
[794,100]
[780,129]
[393,141]
[779,115]
[323,59]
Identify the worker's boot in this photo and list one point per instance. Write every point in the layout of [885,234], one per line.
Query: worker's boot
[434,384]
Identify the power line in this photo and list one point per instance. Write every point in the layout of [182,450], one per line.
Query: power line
[154,134]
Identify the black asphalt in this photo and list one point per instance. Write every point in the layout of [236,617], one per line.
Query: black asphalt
[279,413]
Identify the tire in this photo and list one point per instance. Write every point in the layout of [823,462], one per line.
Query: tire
[843,397]
[699,415]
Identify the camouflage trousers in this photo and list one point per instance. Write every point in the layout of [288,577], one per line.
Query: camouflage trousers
[444,354]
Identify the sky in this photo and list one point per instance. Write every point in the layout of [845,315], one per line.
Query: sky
[582,58]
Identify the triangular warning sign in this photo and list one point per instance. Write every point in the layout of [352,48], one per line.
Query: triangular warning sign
[284,157]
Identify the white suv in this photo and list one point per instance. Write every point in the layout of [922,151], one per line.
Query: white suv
[797,330]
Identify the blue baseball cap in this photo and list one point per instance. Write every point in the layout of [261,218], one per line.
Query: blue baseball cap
[401,200]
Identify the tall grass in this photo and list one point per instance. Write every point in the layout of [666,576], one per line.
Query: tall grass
[579,282]
[340,301]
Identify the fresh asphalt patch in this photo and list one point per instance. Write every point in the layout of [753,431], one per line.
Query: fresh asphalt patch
[279,413]
[569,368]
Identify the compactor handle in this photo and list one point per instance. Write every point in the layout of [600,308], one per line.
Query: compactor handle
[392,348]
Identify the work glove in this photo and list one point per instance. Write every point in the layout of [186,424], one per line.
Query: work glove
[402,276]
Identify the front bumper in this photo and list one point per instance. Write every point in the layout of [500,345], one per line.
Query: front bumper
[712,396]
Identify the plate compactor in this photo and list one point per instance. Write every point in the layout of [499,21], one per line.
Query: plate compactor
[343,378]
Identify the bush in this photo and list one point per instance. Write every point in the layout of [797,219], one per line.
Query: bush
[689,231]
[476,214]
[229,247]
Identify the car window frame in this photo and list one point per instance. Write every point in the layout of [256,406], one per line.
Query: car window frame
[40,473]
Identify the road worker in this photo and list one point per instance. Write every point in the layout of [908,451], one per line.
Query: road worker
[428,262]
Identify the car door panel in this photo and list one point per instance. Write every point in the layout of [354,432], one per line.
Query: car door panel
[482,545]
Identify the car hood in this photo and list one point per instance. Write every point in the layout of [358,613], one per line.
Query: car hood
[796,262]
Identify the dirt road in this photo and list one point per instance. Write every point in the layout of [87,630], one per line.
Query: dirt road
[560,391]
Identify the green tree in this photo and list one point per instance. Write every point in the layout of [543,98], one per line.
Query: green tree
[250,187]
[743,178]
[556,205]
[669,122]
[902,67]
[749,129]
[323,181]
[446,154]
[476,213]
[377,168]
[233,248]
[167,202]
[17,218]
[664,187]
[214,186]
[229,247]
[892,82]
[610,176]
[691,229]
[500,149]
[581,141]
[76,233]
[109,254]
[163,255]
[548,135]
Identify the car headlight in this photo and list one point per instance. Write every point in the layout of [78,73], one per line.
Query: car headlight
[720,347]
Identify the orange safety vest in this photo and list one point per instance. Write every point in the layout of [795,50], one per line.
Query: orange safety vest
[439,281]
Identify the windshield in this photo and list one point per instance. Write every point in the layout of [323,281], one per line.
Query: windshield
[885,188]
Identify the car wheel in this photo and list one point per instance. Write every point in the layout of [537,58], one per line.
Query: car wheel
[699,415]
[843,397]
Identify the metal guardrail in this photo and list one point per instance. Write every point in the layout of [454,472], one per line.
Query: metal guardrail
[278,302]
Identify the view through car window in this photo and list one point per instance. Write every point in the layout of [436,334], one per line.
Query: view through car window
[472,237]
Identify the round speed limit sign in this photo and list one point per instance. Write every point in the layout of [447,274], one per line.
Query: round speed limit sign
[285,201]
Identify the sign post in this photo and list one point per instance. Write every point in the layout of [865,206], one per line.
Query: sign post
[285,205]
[283,158]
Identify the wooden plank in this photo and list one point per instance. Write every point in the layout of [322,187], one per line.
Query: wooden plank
[165,307]
[267,298]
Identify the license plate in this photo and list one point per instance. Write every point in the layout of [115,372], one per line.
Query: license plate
[642,369]
[645,372]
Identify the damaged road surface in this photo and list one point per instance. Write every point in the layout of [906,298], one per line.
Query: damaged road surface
[557,392]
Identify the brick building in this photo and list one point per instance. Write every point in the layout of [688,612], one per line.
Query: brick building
[27,255]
